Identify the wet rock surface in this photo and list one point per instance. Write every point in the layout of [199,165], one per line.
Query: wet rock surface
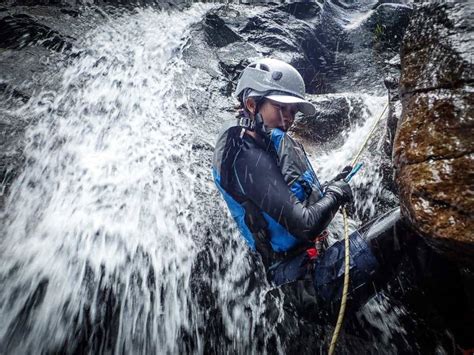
[437,48]
[364,43]
[333,55]
[264,31]
[19,31]
[434,147]
[394,113]
[334,115]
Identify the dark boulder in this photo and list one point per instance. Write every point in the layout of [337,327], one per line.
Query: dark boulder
[433,151]
[387,25]
[334,115]
[335,46]
[362,38]
[218,34]
[304,10]
[19,31]
[234,57]
[243,36]
[437,49]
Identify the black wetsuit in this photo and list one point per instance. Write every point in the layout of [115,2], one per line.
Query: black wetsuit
[247,172]
[247,169]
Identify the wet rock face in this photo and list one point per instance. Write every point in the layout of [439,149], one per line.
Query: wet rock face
[19,31]
[364,38]
[394,113]
[433,150]
[437,48]
[334,115]
[335,46]
[243,34]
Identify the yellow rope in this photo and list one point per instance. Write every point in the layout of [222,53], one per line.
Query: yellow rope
[372,130]
[345,288]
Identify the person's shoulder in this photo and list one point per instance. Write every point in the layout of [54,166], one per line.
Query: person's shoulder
[228,127]
[253,154]
[228,131]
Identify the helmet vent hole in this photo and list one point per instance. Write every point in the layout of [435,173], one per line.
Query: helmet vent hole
[264,67]
[252,65]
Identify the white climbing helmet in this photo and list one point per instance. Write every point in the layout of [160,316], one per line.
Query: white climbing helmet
[277,81]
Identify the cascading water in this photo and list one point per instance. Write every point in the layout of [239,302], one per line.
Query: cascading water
[103,246]
[367,183]
[96,242]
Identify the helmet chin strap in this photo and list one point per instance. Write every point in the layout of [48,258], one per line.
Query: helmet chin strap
[256,124]
[260,127]
[282,121]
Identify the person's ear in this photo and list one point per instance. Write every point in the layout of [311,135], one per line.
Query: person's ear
[251,105]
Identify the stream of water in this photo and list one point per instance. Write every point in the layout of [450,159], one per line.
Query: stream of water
[97,227]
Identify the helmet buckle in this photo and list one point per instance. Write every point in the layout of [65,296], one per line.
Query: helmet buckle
[246,122]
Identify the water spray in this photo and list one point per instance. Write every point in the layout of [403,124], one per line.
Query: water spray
[357,166]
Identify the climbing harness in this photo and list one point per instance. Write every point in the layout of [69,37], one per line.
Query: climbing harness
[345,289]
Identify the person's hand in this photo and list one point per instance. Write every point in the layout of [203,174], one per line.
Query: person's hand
[343,174]
[341,190]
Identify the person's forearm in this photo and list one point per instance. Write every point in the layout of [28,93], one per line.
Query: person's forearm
[314,219]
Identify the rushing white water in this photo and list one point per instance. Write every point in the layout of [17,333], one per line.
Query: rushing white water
[93,232]
[367,184]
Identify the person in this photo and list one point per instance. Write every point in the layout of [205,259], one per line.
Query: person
[272,192]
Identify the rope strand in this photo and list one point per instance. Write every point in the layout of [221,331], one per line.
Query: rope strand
[345,288]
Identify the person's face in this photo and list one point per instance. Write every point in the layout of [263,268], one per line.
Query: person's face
[275,114]
[278,115]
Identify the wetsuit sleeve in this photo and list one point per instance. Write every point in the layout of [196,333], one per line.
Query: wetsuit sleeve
[259,179]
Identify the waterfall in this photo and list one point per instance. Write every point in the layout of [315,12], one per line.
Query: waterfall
[97,244]
[367,184]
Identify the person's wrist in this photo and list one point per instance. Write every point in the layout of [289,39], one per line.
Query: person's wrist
[341,190]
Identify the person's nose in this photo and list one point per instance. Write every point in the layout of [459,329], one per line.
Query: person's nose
[288,114]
